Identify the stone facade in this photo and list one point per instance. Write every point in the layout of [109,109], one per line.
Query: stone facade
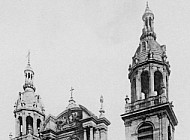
[149,115]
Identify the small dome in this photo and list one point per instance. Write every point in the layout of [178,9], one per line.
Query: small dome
[28,67]
[149,50]
[72,104]
[29,100]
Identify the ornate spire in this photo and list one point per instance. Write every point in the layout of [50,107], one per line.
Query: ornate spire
[71,98]
[148,19]
[29,75]
[102,111]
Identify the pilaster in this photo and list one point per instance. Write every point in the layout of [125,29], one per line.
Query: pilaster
[138,85]
[17,127]
[24,124]
[97,134]
[35,132]
[85,135]
[151,79]
[91,133]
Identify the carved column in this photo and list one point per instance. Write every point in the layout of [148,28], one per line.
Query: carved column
[164,82]
[97,134]
[35,132]
[91,133]
[17,127]
[160,116]
[103,134]
[151,79]
[24,125]
[85,137]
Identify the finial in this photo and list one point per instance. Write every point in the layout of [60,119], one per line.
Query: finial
[147,5]
[127,99]
[102,111]
[71,101]
[71,90]
[28,56]
[101,101]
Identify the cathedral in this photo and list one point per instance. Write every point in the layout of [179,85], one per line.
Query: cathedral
[148,112]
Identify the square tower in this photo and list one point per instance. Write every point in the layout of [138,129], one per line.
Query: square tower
[149,114]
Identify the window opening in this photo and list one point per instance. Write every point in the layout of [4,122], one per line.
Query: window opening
[145,84]
[145,132]
[38,124]
[29,124]
[158,82]
[20,125]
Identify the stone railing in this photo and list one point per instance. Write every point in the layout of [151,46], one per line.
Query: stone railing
[151,101]
[26,137]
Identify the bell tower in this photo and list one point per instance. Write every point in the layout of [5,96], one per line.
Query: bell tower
[28,109]
[149,114]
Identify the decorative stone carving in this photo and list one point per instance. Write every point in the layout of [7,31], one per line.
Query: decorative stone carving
[69,119]
[128,123]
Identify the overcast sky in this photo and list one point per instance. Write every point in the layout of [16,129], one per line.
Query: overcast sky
[88,44]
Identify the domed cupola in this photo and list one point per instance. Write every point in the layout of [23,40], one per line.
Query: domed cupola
[148,51]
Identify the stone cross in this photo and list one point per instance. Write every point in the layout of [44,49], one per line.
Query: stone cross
[71,90]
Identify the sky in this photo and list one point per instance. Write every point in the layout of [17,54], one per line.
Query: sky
[88,44]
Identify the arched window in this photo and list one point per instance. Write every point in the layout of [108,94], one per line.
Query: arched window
[29,124]
[38,124]
[145,132]
[146,22]
[145,84]
[158,82]
[28,75]
[133,90]
[20,125]
[143,46]
[150,21]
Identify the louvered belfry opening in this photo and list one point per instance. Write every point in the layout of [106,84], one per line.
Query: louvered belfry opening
[145,132]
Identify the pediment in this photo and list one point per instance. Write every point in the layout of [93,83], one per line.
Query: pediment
[68,118]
